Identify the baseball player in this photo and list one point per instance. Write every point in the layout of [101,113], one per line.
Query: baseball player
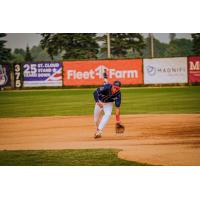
[104,97]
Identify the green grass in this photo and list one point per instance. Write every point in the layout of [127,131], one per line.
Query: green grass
[86,157]
[80,101]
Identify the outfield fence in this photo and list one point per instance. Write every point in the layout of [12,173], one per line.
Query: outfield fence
[176,70]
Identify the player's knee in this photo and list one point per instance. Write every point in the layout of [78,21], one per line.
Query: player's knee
[108,114]
[95,119]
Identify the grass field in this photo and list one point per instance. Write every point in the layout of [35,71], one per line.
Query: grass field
[80,101]
[92,157]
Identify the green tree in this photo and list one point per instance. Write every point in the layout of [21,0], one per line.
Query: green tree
[159,48]
[5,53]
[176,47]
[70,45]
[28,56]
[124,44]
[36,52]
[196,43]
[172,36]
[18,55]
[102,52]
[39,54]
[179,47]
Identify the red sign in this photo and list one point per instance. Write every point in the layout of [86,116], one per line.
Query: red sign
[91,72]
[194,69]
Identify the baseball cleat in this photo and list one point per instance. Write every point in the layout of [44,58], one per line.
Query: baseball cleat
[98,134]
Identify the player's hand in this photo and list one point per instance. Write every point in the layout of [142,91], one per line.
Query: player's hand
[100,104]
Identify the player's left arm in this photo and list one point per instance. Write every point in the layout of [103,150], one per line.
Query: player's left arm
[119,128]
[117,109]
[117,114]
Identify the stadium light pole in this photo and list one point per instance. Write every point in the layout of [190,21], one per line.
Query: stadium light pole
[152,44]
[108,45]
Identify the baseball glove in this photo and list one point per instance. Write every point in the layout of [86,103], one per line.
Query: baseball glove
[119,128]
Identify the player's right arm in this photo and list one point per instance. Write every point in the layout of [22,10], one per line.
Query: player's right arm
[105,77]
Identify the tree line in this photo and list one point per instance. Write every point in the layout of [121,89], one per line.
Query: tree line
[76,46]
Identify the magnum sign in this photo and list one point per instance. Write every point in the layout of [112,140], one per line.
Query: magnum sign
[194,69]
[165,70]
[91,72]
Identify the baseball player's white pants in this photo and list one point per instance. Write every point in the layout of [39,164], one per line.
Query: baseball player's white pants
[100,121]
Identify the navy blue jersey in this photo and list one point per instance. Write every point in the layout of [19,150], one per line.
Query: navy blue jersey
[104,94]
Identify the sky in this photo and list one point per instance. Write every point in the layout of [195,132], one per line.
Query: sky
[21,40]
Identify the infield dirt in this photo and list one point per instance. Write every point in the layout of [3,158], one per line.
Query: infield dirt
[158,139]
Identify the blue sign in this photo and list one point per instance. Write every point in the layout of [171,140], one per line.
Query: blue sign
[42,74]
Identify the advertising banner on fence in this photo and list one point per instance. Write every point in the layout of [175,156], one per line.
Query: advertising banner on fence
[78,73]
[42,74]
[194,69]
[4,75]
[165,70]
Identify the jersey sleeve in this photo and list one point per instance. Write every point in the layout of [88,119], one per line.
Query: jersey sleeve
[101,91]
[98,92]
[96,96]
[118,100]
